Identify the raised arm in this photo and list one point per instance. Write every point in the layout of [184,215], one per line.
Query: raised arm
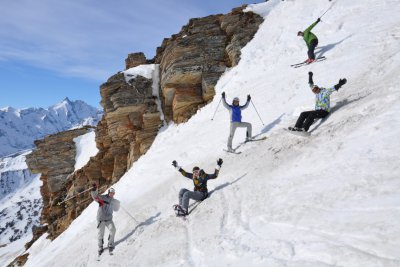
[226,105]
[217,168]
[182,171]
[247,103]
[310,80]
[95,195]
[311,26]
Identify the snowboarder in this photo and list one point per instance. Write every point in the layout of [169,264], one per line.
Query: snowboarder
[236,119]
[311,41]
[200,191]
[322,104]
[107,204]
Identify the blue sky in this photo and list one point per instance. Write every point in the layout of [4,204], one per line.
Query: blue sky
[51,49]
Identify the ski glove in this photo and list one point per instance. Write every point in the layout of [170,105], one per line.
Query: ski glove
[248,97]
[219,162]
[174,163]
[340,84]
[310,79]
[223,94]
[318,20]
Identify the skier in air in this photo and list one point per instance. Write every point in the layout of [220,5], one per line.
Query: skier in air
[200,192]
[322,104]
[236,119]
[311,41]
[107,204]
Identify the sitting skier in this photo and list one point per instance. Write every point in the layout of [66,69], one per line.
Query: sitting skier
[107,204]
[236,119]
[311,41]
[200,191]
[322,105]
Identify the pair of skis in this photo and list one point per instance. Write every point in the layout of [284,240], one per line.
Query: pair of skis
[298,65]
[250,140]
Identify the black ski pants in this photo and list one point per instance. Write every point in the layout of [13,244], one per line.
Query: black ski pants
[307,118]
[311,48]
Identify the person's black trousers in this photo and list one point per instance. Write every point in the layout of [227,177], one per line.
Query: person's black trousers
[313,45]
[307,118]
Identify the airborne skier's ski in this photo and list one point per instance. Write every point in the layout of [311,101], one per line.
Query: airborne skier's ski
[305,62]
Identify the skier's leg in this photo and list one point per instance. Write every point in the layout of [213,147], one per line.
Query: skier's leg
[234,125]
[181,193]
[191,195]
[111,228]
[303,116]
[311,49]
[312,116]
[100,235]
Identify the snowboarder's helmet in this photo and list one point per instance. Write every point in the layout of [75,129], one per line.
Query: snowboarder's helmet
[111,191]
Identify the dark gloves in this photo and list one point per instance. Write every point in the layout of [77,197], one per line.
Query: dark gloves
[318,20]
[340,84]
[310,79]
[174,163]
[219,162]
[223,94]
[248,97]
[94,187]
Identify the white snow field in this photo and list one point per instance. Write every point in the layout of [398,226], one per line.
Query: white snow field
[85,149]
[331,199]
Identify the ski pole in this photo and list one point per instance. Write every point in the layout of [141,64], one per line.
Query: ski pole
[127,212]
[328,9]
[257,112]
[74,196]
[216,108]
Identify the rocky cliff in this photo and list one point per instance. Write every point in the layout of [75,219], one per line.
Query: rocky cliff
[186,70]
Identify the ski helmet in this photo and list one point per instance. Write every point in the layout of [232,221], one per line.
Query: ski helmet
[236,99]
[111,191]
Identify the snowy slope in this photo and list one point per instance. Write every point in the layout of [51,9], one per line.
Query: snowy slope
[328,200]
[20,127]
[85,149]
[20,207]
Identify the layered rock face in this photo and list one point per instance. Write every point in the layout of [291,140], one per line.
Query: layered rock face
[192,61]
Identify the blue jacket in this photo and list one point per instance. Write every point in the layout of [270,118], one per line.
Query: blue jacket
[236,111]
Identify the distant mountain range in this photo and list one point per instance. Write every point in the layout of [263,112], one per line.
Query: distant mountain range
[19,128]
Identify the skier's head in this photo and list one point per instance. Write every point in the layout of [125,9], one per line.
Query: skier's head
[111,192]
[235,101]
[300,33]
[196,171]
[316,89]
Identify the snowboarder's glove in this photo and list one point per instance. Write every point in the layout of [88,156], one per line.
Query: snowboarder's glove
[223,94]
[219,162]
[94,187]
[248,97]
[310,79]
[318,20]
[340,84]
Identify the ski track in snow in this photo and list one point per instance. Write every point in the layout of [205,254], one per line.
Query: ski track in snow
[330,199]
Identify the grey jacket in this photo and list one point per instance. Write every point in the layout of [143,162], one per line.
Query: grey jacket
[107,205]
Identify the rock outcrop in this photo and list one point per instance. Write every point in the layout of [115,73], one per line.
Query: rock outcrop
[54,158]
[192,61]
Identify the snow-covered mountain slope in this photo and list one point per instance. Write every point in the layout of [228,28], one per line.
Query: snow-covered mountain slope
[327,200]
[20,127]
[20,207]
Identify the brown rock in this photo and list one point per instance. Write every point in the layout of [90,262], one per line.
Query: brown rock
[135,59]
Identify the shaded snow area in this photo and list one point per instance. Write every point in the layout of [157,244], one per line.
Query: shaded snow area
[20,127]
[331,199]
[85,149]
[20,206]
